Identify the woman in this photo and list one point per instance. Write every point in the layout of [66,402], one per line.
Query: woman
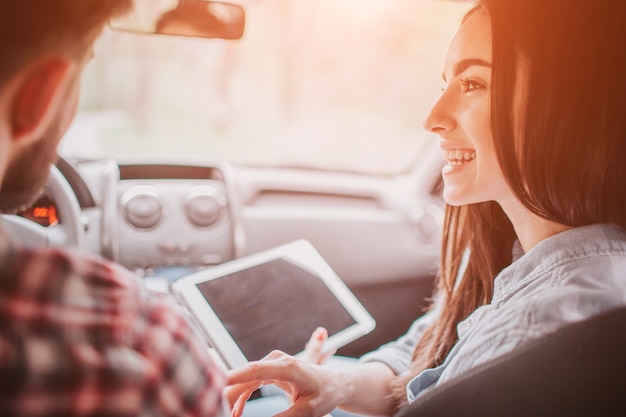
[532,122]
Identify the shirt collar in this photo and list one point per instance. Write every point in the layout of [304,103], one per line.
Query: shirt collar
[553,251]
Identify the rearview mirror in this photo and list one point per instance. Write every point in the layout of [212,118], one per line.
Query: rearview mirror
[193,18]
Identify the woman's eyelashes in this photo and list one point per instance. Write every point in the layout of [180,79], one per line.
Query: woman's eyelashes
[470,84]
[467,84]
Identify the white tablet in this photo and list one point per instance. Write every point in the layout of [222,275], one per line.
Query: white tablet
[272,300]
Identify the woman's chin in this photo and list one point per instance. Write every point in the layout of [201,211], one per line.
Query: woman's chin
[453,197]
[456,197]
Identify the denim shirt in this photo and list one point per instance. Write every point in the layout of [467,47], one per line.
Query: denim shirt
[566,278]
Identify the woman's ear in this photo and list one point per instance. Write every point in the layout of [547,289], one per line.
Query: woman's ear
[40,91]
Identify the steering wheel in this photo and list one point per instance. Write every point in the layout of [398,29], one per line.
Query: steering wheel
[67,232]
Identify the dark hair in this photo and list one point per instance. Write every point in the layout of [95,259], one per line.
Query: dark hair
[561,151]
[29,28]
[567,162]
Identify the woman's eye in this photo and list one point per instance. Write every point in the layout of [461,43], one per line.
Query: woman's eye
[470,85]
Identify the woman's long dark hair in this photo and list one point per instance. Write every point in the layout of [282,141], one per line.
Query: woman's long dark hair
[562,148]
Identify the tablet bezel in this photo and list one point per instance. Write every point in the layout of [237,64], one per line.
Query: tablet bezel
[302,254]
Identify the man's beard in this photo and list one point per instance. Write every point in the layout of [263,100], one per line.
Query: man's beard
[28,172]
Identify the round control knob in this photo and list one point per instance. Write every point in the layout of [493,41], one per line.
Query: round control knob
[205,206]
[142,207]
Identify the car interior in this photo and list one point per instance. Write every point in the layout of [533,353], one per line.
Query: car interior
[132,189]
[576,371]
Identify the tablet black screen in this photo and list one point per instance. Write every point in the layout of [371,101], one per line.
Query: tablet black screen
[274,305]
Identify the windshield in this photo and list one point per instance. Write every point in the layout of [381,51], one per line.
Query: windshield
[325,84]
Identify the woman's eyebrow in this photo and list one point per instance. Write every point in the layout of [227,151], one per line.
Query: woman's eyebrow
[464,64]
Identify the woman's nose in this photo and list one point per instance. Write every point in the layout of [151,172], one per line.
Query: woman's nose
[440,119]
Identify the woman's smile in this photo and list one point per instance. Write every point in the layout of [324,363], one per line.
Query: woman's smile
[458,157]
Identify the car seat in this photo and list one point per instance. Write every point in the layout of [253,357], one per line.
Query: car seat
[579,370]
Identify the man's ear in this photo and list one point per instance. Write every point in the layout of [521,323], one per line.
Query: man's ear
[40,91]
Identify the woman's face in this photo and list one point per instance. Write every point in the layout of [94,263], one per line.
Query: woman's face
[461,118]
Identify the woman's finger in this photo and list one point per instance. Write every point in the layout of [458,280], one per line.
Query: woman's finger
[326,355]
[235,392]
[314,349]
[240,404]
[303,408]
[281,368]
[275,354]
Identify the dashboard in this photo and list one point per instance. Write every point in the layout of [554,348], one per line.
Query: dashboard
[165,218]
[151,215]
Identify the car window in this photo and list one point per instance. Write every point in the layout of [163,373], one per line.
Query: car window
[327,84]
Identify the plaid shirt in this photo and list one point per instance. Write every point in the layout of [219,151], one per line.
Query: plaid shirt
[82,337]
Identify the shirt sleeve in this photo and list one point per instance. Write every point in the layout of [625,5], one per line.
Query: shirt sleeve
[397,354]
[82,336]
[188,382]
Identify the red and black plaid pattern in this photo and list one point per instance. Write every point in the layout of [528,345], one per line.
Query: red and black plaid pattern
[82,337]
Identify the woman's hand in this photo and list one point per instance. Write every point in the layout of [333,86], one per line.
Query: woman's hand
[314,390]
[314,349]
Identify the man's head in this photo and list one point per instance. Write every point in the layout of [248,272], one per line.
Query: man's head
[44,49]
